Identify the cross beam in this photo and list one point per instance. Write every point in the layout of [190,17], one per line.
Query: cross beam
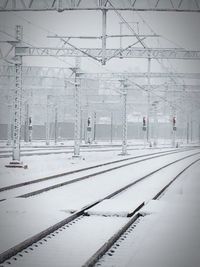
[154,53]
[126,5]
[41,71]
[168,88]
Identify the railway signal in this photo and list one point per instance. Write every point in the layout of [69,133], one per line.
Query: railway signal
[144,124]
[89,130]
[30,128]
[174,123]
[174,128]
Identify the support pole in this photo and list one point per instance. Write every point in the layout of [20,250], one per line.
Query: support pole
[124,118]
[199,133]
[17,104]
[9,131]
[95,126]
[77,116]
[47,122]
[187,131]
[104,36]
[26,124]
[17,110]
[148,100]
[191,130]
[173,129]
[56,126]
[111,127]
[155,126]
[82,127]
[120,39]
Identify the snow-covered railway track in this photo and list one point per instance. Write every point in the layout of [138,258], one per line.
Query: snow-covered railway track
[38,186]
[61,232]
[103,256]
[67,150]
[39,151]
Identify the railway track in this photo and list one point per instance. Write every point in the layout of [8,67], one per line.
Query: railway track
[108,249]
[68,150]
[55,181]
[17,253]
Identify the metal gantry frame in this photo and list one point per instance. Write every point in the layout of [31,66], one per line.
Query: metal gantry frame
[101,54]
[125,5]
[96,53]
[62,72]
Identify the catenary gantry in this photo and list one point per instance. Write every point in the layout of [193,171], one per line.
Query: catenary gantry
[102,54]
[62,5]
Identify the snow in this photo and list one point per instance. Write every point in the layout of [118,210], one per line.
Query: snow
[45,165]
[39,212]
[98,187]
[74,245]
[18,214]
[127,201]
[56,180]
[21,219]
[169,234]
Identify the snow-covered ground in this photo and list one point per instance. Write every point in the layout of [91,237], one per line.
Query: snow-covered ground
[45,165]
[17,214]
[169,233]
[22,218]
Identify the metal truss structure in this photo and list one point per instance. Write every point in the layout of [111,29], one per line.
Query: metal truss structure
[101,55]
[165,88]
[57,72]
[173,88]
[153,53]
[64,5]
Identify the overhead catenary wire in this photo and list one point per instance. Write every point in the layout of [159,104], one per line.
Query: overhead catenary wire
[49,31]
[41,28]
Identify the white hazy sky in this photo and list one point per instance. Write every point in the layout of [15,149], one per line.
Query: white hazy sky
[182,29]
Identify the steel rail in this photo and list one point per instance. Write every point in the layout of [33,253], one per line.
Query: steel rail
[36,238]
[37,192]
[135,216]
[83,149]
[46,178]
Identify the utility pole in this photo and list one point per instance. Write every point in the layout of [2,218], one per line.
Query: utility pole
[77,125]
[26,124]
[81,126]
[95,126]
[187,130]
[191,129]
[47,122]
[199,133]
[104,19]
[148,100]
[111,127]
[155,124]
[56,125]
[10,119]
[124,117]
[17,103]
[120,39]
